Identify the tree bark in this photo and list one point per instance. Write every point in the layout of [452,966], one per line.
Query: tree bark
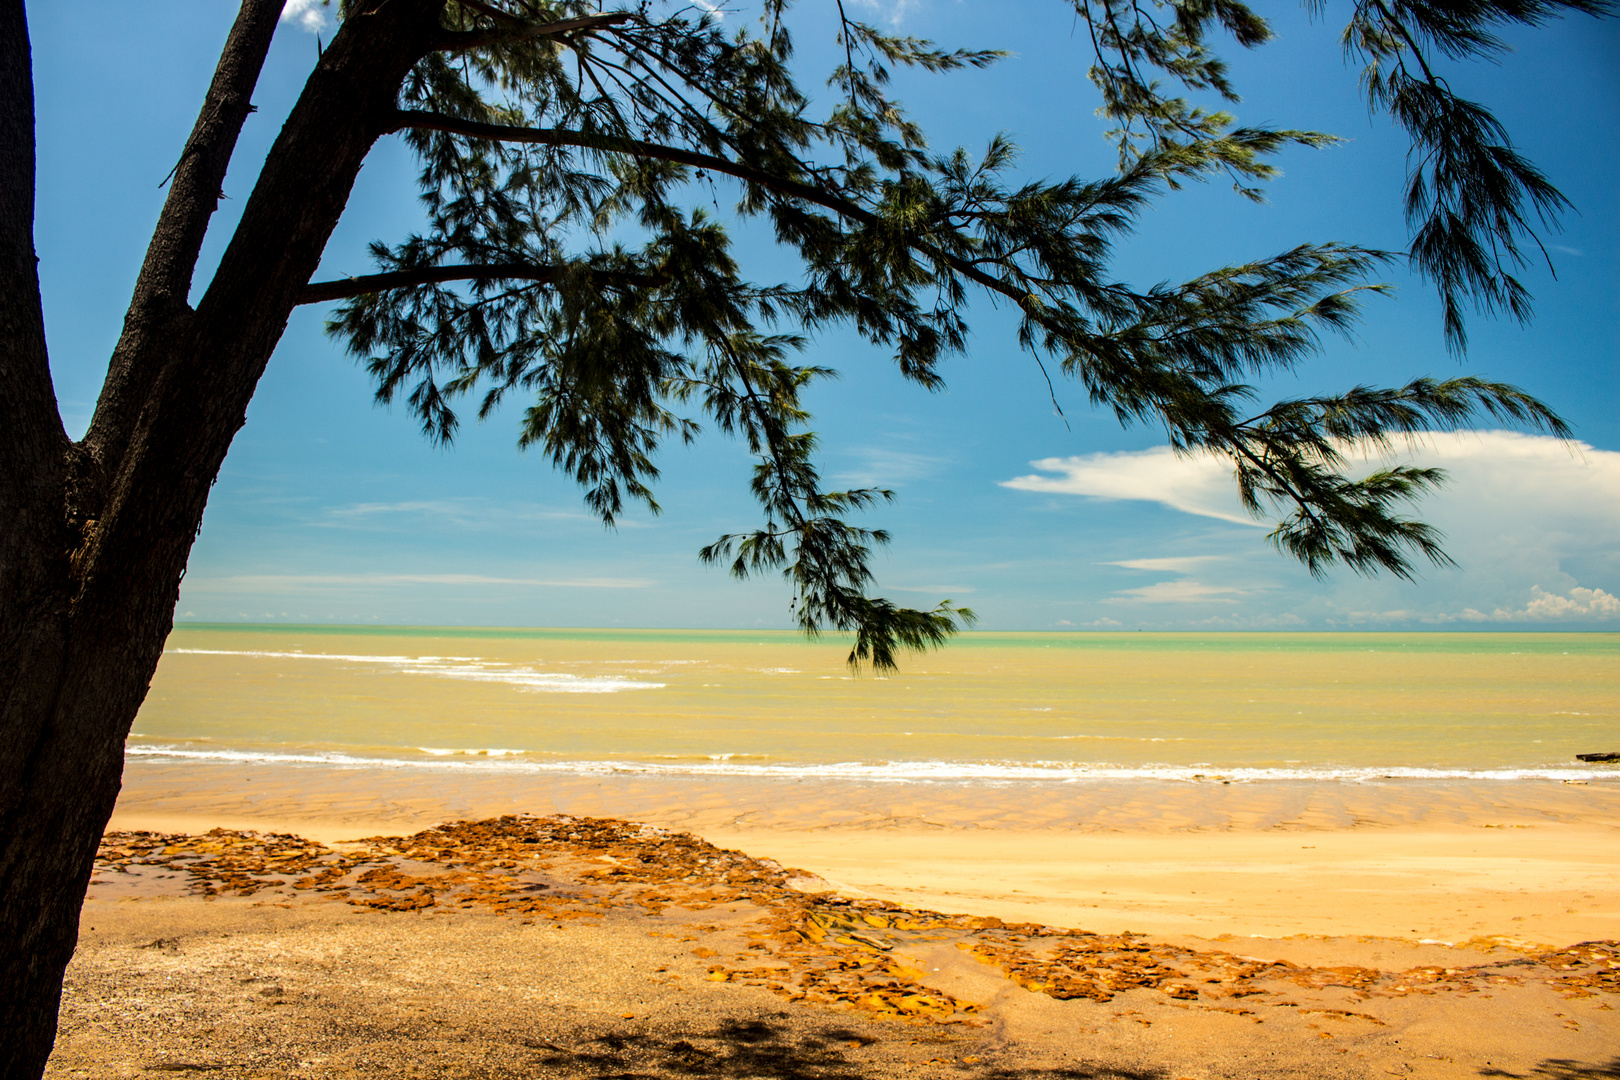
[33,450]
[159,302]
[94,536]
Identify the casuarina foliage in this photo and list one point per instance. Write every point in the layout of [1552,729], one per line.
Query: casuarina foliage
[567,154]
[573,257]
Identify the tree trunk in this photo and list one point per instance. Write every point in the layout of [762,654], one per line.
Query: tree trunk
[94,536]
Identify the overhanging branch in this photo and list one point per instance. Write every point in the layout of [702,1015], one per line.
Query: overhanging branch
[490,10]
[462,40]
[318,292]
[195,187]
[616,144]
[796,189]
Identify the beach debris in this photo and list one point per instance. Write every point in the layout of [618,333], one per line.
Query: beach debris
[1597,757]
[816,948]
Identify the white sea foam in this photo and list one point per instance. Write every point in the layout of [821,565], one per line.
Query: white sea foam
[721,765]
[466,668]
[493,752]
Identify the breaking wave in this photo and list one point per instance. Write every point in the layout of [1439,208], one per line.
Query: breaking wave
[469,668]
[725,766]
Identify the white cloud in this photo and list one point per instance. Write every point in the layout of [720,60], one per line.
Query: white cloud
[306,13]
[1580,602]
[1578,605]
[1532,522]
[892,10]
[1181,591]
[1181,564]
[1195,485]
[1497,479]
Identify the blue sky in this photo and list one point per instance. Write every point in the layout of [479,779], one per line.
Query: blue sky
[330,509]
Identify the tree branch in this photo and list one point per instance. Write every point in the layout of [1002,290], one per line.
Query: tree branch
[489,9]
[616,144]
[31,430]
[463,40]
[797,189]
[171,258]
[1390,20]
[32,440]
[318,292]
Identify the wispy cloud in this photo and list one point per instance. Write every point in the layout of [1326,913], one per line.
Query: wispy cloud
[1533,524]
[1200,485]
[940,590]
[1181,591]
[299,583]
[309,14]
[1509,472]
[891,11]
[1184,589]
[454,513]
[887,467]
[1180,564]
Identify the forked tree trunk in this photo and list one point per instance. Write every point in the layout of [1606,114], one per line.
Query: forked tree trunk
[94,535]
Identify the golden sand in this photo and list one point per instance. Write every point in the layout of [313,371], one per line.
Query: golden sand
[836,929]
[589,947]
[1533,861]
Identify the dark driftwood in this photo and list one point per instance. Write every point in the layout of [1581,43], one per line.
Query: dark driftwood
[1597,757]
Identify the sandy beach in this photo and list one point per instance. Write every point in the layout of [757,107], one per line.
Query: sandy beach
[1147,930]
[1538,862]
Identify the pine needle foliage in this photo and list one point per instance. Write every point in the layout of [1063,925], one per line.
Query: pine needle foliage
[1473,202]
[566,153]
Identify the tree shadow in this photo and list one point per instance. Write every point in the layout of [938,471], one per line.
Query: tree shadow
[757,1048]
[1564,1069]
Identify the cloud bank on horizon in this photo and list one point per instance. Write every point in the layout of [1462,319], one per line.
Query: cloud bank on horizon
[1531,521]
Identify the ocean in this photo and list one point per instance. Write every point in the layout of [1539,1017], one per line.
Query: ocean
[990,707]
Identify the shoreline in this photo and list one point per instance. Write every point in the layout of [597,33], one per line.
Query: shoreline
[624,922]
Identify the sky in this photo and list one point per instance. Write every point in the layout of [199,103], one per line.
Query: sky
[333,509]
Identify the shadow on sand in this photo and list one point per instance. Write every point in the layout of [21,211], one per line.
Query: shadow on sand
[756,1048]
[1564,1069]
